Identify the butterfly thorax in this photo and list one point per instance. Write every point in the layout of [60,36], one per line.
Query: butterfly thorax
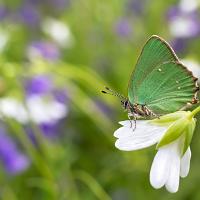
[137,110]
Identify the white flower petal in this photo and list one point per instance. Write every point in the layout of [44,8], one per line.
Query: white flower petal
[127,123]
[143,136]
[123,132]
[172,183]
[43,111]
[134,143]
[160,167]
[185,163]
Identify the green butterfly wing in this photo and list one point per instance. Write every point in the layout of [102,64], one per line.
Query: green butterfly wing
[167,88]
[159,80]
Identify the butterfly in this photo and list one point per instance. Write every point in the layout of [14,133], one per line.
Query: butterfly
[159,84]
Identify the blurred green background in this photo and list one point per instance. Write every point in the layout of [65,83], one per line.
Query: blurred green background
[56,127]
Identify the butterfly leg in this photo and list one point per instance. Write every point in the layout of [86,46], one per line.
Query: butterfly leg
[155,115]
[149,112]
[132,117]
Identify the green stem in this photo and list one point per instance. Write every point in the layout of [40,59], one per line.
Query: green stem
[195,111]
[95,187]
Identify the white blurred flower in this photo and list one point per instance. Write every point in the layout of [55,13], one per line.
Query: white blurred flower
[193,66]
[12,108]
[59,31]
[189,6]
[173,134]
[37,109]
[43,111]
[183,23]
[183,27]
[43,50]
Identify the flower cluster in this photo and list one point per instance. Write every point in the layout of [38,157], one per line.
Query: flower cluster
[173,134]
[184,24]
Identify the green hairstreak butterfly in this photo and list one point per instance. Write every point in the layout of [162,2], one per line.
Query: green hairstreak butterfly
[159,83]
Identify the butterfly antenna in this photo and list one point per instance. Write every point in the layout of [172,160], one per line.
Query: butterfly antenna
[112,92]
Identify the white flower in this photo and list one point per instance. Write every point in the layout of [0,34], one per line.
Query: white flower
[59,32]
[173,134]
[168,165]
[189,6]
[42,111]
[12,108]
[183,27]
[37,109]
[193,66]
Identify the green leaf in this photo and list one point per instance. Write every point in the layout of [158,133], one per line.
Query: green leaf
[173,132]
[188,135]
[169,118]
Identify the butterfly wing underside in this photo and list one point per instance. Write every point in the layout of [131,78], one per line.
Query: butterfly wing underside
[159,80]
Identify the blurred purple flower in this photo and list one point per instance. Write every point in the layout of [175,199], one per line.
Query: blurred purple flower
[123,28]
[13,160]
[50,130]
[47,50]
[3,12]
[33,2]
[59,4]
[60,96]
[38,85]
[173,12]
[29,14]
[104,108]
[53,5]
[183,24]
[136,6]
[179,44]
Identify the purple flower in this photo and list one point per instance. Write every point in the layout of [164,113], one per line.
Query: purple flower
[179,44]
[104,108]
[59,4]
[123,28]
[183,24]
[38,85]
[29,14]
[47,50]
[3,12]
[60,95]
[13,160]
[136,6]
[173,12]
[50,130]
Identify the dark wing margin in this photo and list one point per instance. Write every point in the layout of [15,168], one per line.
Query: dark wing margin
[155,52]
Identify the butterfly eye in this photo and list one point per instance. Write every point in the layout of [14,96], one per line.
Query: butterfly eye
[125,104]
[122,103]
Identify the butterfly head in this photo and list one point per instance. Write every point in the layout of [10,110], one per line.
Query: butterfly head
[125,103]
[124,100]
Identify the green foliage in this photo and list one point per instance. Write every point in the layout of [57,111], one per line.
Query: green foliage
[82,162]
